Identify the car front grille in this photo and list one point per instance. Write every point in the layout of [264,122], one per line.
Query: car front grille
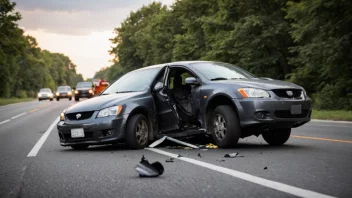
[84,115]
[287,114]
[83,91]
[288,93]
[87,136]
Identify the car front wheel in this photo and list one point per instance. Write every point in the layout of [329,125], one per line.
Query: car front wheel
[224,126]
[80,146]
[57,99]
[137,132]
[76,99]
[277,136]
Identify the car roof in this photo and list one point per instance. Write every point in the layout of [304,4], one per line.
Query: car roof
[186,63]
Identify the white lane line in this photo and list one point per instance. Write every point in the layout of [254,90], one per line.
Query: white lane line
[14,117]
[3,122]
[331,121]
[251,178]
[325,125]
[41,141]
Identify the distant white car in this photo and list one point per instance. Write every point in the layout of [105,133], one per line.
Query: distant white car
[45,94]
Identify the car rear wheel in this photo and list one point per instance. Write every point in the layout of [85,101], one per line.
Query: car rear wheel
[51,99]
[224,126]
[137,132]
[277,136]
[76,99]
[39,100]
[80,146]
[70,99]
[57,99]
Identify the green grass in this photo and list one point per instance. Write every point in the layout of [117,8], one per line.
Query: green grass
[6,101]
[332,115]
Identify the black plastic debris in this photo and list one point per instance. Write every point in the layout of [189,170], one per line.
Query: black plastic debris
[220,160]
[199,155]
[145,169]
[265,168]
[231,155]
[169,160]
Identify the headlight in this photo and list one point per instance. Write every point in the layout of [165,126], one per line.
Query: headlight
[303,94]
[253,93]
[39,95]
[69,93]
[50,95]
[90,91]
[115,110]
[76,92]
[57,93]
[62,115]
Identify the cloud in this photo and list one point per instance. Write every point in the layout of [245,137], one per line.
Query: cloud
[76,17]
[76,5]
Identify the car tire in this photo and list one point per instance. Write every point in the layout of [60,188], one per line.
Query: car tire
[69,99]
[137,132]
[57,99]
[76,99]
[224,126]
[80,146]
[39,100]
[277,137]
[51,99]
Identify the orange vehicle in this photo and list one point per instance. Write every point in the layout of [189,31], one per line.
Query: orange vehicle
[99,86]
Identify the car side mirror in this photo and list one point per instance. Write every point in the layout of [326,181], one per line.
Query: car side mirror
[158,86]
[191,81]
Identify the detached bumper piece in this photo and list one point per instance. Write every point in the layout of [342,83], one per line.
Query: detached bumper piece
[145,169]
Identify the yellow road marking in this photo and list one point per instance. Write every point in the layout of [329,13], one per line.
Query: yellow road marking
[34,110]
[322,139]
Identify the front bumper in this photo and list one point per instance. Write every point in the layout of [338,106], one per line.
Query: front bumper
[276,113]
[45,97]
[64,96]
[96,130]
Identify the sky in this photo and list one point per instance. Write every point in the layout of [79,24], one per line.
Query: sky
[80,29]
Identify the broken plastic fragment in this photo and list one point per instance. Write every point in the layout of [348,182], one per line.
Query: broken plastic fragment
[145,169]
[169,160]
[161,140]
[231,155]
[199,155]
[211,146]
[265,168]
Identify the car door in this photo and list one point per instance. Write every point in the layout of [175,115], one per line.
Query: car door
[167,119]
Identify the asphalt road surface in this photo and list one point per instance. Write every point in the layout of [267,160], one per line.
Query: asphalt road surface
[316,162]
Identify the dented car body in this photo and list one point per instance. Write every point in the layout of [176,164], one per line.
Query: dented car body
[183,99]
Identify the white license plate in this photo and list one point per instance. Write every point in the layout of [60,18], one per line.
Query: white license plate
[296,109]
[77,133]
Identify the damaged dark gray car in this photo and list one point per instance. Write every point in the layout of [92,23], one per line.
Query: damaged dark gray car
[184,99]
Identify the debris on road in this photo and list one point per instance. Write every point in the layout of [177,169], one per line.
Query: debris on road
[231,155]
[265,168]
[145,169]
[199,155]
[161,140]
[213,146]
[220,160]
[169,160]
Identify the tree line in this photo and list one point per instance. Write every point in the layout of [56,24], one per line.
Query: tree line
[307,42]
[24,67]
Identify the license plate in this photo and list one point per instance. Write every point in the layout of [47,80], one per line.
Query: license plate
[296,109]
[77,133]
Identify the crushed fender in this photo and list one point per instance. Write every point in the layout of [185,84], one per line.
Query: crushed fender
[161,140]
[145,169]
